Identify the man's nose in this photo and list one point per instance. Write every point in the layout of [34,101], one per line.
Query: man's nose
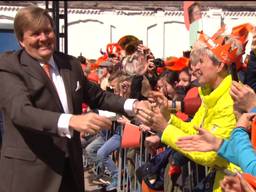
[43,36]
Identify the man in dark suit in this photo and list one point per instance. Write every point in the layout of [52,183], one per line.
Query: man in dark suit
[1,129]
[41,150]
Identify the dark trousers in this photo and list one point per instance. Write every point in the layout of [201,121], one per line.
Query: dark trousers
[1,128]
[68,183]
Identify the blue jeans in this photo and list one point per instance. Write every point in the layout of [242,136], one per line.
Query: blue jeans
[103,154]
[92,148]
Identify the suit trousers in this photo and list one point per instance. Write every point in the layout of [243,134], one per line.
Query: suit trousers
[68,183]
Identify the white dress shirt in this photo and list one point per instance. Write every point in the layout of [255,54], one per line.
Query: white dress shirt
[63,121]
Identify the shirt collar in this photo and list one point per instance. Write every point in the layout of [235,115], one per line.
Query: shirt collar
[50,62]
[210,98]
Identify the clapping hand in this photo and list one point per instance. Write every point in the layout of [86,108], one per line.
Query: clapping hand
[204,141]
[245,121]
[235,183]
[244,97]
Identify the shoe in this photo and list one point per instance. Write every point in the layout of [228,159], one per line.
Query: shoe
[94,179]
[99,179]
[97,182]
[113,185]
[105,179]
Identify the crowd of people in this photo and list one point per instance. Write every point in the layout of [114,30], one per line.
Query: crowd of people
[199,107]
[189,95]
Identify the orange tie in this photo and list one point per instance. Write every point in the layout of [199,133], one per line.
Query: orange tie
[47,70]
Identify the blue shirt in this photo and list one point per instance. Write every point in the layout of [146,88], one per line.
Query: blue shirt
[239,150]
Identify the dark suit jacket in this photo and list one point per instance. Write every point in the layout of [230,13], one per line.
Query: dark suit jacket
[250,73]
[33,155]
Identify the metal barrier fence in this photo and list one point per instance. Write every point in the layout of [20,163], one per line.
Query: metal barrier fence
[127,179]
[129,160]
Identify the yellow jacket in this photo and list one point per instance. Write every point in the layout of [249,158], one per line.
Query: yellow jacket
[215,114]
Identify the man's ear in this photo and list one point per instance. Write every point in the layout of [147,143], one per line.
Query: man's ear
[21,44]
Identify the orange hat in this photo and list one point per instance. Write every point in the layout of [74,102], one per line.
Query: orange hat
[241,32]
[99,61]
[217,45]
[176,64]
[113,48]
[223,51]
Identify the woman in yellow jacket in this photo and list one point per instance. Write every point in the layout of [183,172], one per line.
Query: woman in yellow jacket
[216,115]
[210,58]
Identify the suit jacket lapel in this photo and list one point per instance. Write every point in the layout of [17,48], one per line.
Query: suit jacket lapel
[33,68]
[65,70]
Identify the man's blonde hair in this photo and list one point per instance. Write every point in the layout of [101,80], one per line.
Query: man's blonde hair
[31,17]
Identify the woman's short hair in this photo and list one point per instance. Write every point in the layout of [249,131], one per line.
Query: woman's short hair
[28,18]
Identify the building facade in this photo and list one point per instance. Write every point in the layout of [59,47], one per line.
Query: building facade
[163,31]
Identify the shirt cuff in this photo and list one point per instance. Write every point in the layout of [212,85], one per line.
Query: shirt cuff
[128,106]
[63,126]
